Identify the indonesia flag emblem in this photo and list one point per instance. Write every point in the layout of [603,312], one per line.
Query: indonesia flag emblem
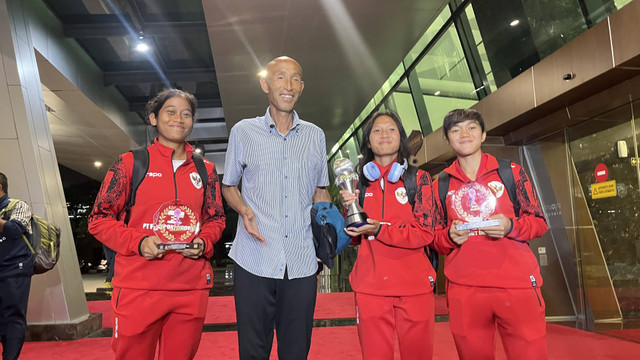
[196,180]
[401,195]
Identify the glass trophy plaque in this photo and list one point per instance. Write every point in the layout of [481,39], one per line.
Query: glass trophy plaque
[176,224]
[474,203]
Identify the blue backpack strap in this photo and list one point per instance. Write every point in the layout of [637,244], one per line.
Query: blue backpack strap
[140,169]
[506,175]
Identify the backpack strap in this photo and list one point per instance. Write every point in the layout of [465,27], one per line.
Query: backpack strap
[506,175]
[363,190]
[443,189]
[202,171]
[9,209]
[411,183]
[140,168]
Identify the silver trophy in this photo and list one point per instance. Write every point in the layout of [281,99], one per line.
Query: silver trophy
[346,179]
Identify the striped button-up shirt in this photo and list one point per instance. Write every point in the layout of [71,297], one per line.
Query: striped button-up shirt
[279,174]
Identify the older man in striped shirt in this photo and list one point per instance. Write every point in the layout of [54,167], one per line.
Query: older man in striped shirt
[282,163]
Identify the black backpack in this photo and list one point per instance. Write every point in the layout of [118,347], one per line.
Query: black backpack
[410,184]
[140,168]
[506,175]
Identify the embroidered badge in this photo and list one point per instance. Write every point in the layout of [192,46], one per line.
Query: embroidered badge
[401,195]
[196,180]
[497,187]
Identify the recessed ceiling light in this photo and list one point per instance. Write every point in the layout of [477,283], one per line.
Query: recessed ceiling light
[515,22]
[142,47]
[97,164]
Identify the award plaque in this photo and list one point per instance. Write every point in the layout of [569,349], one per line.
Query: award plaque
[176,224]
[474,203]
[347,179]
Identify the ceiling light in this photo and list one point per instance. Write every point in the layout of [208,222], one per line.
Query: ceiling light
[97,164]
[198,150]
[515,22]
[142,47]
[263,73]
[437,93]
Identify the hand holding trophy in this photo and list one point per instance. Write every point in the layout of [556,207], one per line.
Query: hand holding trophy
[176,224]
[474,203]
[346,179]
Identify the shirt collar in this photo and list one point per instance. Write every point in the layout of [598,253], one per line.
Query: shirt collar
[270,124]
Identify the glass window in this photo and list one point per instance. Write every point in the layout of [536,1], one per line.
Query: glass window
[445,80]
[401,102]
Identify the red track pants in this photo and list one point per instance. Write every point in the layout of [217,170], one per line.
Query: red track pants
[474,313]
[169,320]
[380,317]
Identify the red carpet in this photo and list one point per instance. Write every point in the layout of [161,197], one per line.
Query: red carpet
[627,334]
[221,309]
[342,343]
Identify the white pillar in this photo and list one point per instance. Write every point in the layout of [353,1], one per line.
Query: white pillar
[28,159]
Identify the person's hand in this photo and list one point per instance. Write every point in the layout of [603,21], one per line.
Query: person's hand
[251,224]
[193,253]
[149,249]
[498,231]
[347,198]
[458,236]
[371,228]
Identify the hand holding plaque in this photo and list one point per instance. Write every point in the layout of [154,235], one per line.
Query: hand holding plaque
[474,203]
[346,179]
[176,224]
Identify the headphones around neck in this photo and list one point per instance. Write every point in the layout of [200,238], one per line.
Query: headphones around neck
[371,171]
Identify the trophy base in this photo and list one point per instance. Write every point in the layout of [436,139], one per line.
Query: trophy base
[478,224]
[178,246]
[357,220]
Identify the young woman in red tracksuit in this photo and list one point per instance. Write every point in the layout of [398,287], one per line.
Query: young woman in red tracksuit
[159,297]
[493,278]
[392,277]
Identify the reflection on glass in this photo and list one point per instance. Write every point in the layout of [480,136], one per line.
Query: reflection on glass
[615,218]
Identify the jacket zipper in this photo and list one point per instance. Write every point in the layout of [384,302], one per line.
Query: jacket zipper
[383,187]
[175,184]
[118,298]
[535,288]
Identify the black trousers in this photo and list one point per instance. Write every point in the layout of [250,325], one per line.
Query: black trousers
[265,303]
[14,297]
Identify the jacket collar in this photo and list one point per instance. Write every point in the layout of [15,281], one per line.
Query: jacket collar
[166,151]
[488,163]
[4,201]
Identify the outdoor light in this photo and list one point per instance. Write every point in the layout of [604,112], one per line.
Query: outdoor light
[437,93]
[515,22]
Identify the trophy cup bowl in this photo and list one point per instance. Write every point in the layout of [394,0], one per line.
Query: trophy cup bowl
[346,179]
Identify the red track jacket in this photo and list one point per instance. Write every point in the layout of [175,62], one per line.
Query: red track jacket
[173,271]
[482,260]
[394,262]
